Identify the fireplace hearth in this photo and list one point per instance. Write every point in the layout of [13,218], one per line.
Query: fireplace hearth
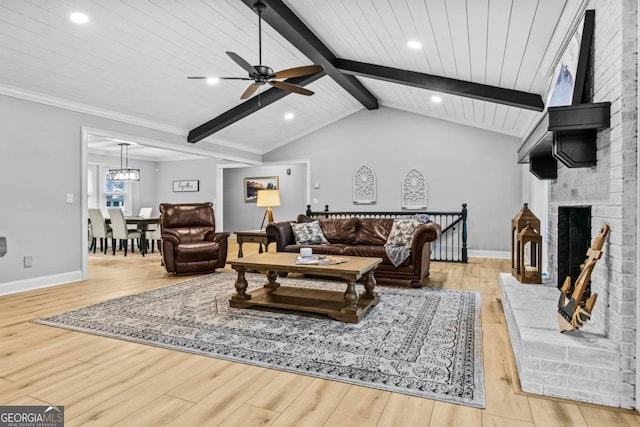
[582,365]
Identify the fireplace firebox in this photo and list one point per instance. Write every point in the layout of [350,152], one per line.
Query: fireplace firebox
[574,238]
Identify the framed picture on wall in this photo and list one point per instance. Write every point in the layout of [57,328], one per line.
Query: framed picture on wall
[186,186]
[252,185]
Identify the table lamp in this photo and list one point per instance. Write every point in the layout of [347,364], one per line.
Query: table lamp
[268,198]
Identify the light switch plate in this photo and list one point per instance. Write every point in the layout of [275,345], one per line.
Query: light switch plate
[69,197]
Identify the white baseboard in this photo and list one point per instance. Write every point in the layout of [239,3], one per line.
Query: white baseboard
[40,282]
[489,254]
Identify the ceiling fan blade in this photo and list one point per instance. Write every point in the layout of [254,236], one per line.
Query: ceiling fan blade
[291,88]
[299,71]
[241,62]
[250,90]
[222,78]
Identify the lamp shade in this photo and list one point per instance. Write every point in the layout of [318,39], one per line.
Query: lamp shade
[268,198]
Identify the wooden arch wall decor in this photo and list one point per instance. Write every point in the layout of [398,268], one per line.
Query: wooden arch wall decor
[364,186]
[414,190]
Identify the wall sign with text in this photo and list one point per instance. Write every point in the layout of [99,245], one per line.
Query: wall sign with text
[185,186]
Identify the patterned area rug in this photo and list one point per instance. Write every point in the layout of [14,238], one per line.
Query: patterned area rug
[422,342]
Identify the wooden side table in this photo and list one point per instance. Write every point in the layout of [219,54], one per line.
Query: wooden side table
[253,236]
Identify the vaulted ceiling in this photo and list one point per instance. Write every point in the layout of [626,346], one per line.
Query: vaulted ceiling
[132,59]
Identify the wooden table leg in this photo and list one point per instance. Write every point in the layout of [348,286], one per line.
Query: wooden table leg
[143,241]
[350,298]
[240,255]
[241,296]
[272,285]
[143,227]
[369,283]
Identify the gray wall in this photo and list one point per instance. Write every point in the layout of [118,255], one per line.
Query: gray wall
[156,182]
[240,215]
[460,163]
[40,162]
[203,170]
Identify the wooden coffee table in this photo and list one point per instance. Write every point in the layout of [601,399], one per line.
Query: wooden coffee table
[344,306]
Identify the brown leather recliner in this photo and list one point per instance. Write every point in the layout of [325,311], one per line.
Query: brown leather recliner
[190,243]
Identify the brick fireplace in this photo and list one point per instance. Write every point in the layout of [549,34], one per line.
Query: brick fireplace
[597,363]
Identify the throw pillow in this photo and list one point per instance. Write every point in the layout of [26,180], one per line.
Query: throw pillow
[308,233]
[422,218]
[402,232]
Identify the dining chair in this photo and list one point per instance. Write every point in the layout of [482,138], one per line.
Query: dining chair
[120,231]
[155,236]
[90,238]
[99,230]
[152,236]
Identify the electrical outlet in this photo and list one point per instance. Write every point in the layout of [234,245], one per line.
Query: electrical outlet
[28,261]
[315,201]
[69,197]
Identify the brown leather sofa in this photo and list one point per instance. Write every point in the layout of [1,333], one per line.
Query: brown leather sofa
[365,237]
[190,243]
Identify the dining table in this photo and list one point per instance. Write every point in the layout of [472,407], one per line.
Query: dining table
[142,224]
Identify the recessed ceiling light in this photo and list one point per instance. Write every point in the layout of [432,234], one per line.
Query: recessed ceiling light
[79,18]
[212,80]
[436,99]
[414,44]
[288,116]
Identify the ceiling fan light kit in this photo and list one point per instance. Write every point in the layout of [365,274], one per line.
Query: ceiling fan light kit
[262,74]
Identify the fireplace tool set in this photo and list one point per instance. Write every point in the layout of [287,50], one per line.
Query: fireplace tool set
[573,312]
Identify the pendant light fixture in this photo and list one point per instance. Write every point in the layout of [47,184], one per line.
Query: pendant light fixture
[124,173]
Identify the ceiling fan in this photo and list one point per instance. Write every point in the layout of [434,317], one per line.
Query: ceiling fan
[261,74]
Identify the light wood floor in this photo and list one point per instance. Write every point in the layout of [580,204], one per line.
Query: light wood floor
[103,381]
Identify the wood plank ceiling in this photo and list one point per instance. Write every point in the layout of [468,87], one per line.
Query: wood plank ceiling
[132,59]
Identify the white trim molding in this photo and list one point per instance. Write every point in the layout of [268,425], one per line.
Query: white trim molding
[489,254]
[87,109]
[40,282]
[187,149]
